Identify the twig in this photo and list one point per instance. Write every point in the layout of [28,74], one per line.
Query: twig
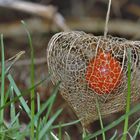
[47,12]
[121,27]
[15,59]
[26,62]
[11,61]
[107,19]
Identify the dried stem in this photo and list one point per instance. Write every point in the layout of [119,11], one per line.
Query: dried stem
[107,19]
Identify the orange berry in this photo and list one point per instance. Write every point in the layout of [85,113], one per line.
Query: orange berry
[103,73]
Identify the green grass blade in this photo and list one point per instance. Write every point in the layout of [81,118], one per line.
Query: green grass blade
[114,136]
[43,107]
[37,118]
[128,101]
[46,104]
[37,131]
[14,120]
[32,76]
[115,123]
[65,124]
[136,132]
[84,134]
[7,94]
[48,125]
[37,121]
[60,132]
[54,92]
[133,124]
[67,136]
[17,91]
[100,118]
[38,102]
[14,117]
[24,93]
[2,136]
[54,136]
[2,80]
[47,79]
[12,109]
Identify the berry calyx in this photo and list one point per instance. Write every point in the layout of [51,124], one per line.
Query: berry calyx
[103,73]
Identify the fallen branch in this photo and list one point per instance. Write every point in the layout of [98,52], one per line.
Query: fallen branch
[46,12]
[121,27]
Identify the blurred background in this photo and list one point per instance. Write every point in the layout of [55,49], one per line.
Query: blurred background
[47,17]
